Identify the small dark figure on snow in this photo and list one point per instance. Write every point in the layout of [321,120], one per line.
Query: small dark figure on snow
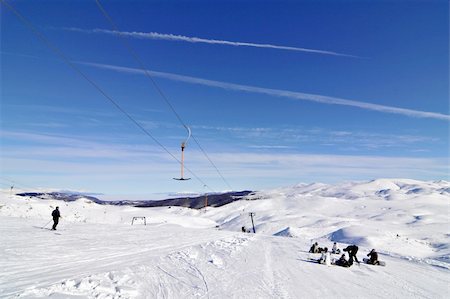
[352,250]
[342,262]
[56,215]
[314,248]
[243,229]
[373,257]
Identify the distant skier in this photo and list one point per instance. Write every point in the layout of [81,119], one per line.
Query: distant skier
[342,262]
[314,248]
[352,250]
[335,250]
[56,215]
[373,257]
[325,258]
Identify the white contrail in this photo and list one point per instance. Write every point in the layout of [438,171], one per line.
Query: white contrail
[189,39]
[276,92]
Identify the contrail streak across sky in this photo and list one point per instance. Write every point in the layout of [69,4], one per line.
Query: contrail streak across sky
[189,39]
[277,92]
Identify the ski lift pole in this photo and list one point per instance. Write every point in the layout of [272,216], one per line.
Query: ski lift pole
[183,145]
[206,197]
[251,214]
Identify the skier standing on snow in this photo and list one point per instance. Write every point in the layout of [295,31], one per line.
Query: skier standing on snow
[352,250]
[56,215]
[373,257]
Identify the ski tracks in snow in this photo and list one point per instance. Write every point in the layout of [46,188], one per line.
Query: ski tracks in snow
[188,273]
[272,277]
[185,273]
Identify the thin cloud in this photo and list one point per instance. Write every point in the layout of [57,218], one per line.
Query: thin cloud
[291,137]
[57,146]
[242,166]
[276,92]
[189,39]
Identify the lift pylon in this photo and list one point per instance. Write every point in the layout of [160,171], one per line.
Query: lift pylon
[183,145]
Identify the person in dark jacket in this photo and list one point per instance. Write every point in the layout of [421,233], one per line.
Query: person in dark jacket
[352,250]
[342,262]
[314,248]
[373,257]
[56,215]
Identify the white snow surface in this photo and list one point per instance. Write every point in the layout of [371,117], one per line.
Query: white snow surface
[186,253]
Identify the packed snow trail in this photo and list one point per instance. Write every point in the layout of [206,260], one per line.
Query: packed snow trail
[123,261]
[182,254]
[36,256]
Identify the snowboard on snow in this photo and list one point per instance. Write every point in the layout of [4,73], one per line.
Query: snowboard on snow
[314,261]
[311,260]
[380,263]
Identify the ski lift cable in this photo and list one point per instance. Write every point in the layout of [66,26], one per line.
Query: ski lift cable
[184,143]
[5,184]
[159,90]
[212,163]
[14,183]
[59,53]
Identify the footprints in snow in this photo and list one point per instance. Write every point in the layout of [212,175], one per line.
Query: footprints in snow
[110,285]
[214,253]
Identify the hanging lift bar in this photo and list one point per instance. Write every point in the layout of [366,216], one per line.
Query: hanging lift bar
[183,145]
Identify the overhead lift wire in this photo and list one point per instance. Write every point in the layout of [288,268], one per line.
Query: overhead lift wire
[59,53]
[159,90]
[13,183]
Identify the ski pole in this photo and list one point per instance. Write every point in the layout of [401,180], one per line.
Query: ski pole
[46,224]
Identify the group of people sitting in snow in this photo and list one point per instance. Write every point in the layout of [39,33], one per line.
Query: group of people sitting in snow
[342,261]
[316,249]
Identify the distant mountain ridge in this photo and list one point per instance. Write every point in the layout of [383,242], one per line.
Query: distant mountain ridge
[197,202]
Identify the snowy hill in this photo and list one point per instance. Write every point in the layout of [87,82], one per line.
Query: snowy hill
[188,253]
[194,202]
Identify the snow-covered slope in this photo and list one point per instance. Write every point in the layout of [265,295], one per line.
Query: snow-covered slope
[186,253]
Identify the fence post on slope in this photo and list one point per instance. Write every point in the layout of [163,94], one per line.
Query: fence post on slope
[251,214]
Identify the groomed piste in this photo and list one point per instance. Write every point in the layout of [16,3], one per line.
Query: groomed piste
[196,253]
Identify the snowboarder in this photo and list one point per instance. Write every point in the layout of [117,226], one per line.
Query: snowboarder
[325,258]
[373,257]
[314,248]
[352,250]
[335,250]
[342,262]
[56,215]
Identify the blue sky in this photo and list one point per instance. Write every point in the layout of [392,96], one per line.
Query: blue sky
[275,92]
